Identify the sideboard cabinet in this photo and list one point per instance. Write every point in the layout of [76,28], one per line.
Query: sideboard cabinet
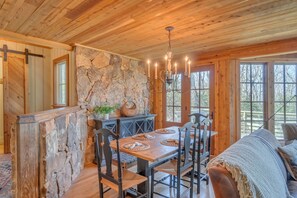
[128,126]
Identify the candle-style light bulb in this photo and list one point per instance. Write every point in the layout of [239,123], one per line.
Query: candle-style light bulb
[186,65]
[166,62]
[156,70]
[148,68]
[175,68]
[189,69]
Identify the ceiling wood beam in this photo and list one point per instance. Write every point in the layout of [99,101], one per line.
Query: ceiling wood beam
[287,46]
[11,36]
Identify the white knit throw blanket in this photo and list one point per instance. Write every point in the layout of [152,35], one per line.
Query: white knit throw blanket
[254,168]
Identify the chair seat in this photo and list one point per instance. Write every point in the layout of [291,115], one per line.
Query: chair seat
[170,168]
[129,179]
[127,161]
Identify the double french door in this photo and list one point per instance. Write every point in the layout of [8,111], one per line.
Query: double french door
[189,95]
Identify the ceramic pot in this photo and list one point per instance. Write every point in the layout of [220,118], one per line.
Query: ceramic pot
[106,116]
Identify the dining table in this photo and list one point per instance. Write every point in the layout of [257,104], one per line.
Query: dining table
[156,154]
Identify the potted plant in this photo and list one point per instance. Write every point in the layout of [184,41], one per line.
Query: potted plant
[104,110]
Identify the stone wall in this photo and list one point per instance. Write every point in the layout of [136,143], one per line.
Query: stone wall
[62,147]
[108,78]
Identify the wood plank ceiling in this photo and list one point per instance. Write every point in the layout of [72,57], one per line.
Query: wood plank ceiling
[136,27]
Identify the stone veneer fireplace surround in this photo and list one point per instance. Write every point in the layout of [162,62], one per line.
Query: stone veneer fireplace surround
[103,77]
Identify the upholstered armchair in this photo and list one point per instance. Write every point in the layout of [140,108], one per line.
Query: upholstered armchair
[290,132]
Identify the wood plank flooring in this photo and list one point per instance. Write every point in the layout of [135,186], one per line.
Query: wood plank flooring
[86,186]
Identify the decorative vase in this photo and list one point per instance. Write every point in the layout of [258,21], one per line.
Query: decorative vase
[129,111]
[106,116]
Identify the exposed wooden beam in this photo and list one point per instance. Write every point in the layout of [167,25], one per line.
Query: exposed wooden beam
[11,36]
[287,46]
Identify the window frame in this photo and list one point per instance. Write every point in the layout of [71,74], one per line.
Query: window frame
[56,61]
[269,92]
[186,94]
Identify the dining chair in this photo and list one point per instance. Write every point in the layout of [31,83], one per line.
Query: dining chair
[179,166]
[204,126]
[120,180]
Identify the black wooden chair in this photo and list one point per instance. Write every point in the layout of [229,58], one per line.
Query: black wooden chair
[204,125]
[179,166]
[119,180]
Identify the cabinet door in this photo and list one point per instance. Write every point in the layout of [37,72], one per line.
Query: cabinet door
[140,126]
[127,128]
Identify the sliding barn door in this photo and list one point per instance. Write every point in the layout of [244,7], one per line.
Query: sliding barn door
[14,94]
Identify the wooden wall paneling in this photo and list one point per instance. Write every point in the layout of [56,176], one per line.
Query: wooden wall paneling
[39,80]
[158,102]
[47,83]
[28,161]
[224,104]
[32,84]
[1,102]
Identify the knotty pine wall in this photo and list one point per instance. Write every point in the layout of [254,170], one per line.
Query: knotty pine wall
[1,105]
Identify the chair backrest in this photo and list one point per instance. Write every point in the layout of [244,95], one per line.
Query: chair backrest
[184,148]
[204,124]
[102,143]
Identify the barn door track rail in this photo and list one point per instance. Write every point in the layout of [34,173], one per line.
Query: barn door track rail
[5,50]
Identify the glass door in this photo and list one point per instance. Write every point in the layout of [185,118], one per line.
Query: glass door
[190,95]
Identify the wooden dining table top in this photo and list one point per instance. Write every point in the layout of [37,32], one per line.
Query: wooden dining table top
[156,151]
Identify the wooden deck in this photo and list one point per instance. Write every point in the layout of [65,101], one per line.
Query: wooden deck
[86,186]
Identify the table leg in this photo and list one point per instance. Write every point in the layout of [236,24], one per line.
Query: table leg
[143,169]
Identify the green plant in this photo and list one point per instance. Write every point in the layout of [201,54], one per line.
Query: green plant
[105,109]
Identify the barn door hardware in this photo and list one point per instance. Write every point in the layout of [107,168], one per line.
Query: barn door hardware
[5,50]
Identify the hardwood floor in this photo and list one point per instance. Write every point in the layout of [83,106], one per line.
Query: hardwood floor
[86,186]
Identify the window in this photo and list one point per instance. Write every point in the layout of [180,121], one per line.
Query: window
[285,86]
[173,101]
[189,95]
[61,82]
[251,97]
[200,92]
[258,104]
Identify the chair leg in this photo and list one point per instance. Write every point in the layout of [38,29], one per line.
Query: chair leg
[192,183]
[198,176]
[152,182]
[178,186]
[170,181]
[101,190]
[174,181]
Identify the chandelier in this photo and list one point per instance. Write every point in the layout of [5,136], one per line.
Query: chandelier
[167,76]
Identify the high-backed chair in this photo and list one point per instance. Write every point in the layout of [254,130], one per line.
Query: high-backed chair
[290,132]
[182,165]
[119,180]
[204,125]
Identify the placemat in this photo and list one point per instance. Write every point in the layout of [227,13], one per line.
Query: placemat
[143,137]
[170,142]
[165,131]
[136,146]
